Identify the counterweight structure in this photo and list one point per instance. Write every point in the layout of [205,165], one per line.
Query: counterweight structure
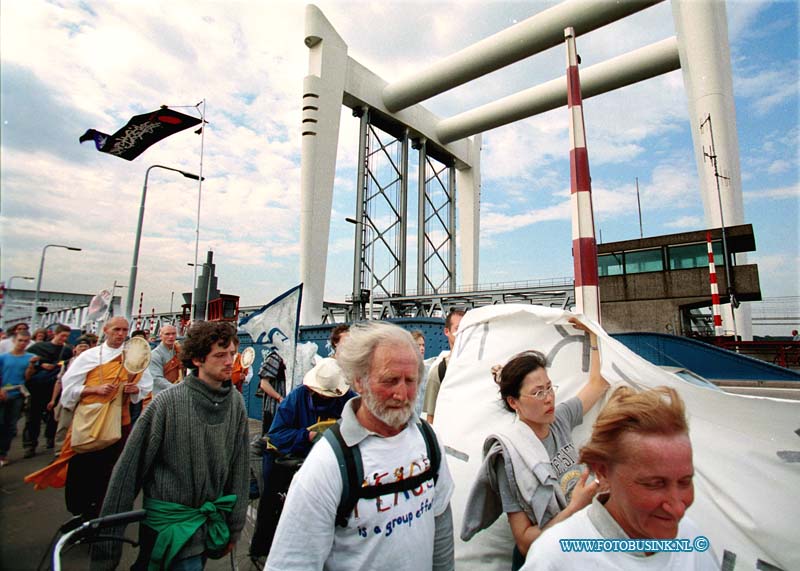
[700,49]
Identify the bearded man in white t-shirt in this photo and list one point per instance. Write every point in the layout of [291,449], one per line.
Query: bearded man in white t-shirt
[410,530]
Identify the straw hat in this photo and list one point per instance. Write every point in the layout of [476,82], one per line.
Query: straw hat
[327,379]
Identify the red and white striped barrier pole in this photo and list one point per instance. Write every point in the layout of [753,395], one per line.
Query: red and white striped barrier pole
[139,317]
[584,246]
[712,277]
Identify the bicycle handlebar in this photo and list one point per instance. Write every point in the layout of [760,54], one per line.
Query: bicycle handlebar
[91,527]
[123,518]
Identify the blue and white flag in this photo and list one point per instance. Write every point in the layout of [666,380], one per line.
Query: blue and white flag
[276,327]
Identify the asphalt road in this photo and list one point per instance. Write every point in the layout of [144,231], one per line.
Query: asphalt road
[30,519]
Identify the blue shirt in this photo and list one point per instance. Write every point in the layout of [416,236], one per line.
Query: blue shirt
[299,410]
[12,371]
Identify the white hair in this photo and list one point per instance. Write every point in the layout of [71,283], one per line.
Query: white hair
[354,353]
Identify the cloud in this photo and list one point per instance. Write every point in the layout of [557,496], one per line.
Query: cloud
[768,88]
[773,158]
[781,193]
[742,16]
[34,120]
[779,166]
[685,222]
[770,263]
[784,139]
[669,188]
[616,132]
[68,66]
[670,185]
[517,149]
[783,270]
[499,223]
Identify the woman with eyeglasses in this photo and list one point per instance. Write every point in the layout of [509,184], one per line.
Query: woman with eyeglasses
[530,470]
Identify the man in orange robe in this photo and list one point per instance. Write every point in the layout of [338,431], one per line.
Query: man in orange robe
[165,365]
[97,375]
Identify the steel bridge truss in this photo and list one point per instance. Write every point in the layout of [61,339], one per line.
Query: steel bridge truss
[437,216]
[380,264]
[381,197]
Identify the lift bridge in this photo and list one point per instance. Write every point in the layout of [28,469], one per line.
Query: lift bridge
[552,292]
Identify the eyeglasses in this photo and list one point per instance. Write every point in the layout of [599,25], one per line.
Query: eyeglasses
[543,393]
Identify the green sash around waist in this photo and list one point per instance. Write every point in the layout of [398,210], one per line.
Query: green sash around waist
[176,524]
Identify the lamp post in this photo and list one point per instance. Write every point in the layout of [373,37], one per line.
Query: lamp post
[134,263]
[373,233]
[34,320]
[208,288]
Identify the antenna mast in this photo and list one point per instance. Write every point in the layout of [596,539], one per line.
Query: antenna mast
[639,205]
[711,154]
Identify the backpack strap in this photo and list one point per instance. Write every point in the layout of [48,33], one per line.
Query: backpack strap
[432,446]
[442,369]
[406,484]
[351,470]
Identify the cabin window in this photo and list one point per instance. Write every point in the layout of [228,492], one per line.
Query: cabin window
[642,261]
[694,256]
[610,264]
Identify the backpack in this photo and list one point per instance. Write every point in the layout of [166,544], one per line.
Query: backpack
[442,369]
[352,471]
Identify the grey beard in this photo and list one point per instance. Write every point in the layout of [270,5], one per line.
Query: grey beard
[395,417]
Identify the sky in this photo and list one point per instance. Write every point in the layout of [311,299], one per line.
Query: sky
[68,66]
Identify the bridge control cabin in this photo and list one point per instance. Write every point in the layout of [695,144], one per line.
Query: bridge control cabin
[661,284]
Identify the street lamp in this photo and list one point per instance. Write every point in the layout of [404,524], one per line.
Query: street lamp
[34,320]
[134,268]
[12,278]
[208,288]
[366,223]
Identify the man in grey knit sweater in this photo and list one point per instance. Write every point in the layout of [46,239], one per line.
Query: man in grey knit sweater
[188,453]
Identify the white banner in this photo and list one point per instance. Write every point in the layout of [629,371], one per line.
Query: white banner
[99,306]
[746,449]
[275,327]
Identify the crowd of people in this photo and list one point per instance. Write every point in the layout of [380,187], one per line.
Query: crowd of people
[353,475]
[31,367]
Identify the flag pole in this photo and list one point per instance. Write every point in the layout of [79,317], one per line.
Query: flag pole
[199,197]
[202,112]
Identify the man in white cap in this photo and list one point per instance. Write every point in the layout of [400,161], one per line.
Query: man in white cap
[305,412]
[320,398]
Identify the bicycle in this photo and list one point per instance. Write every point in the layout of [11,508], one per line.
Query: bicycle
[78,531]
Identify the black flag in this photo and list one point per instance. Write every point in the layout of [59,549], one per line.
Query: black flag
[140,132]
